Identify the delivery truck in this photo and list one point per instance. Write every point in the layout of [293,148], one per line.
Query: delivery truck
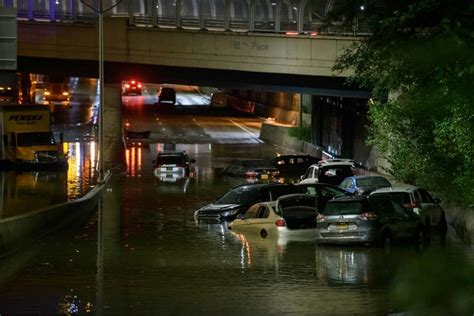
[27,139]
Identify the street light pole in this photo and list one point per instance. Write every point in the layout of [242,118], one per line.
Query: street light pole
[100,11]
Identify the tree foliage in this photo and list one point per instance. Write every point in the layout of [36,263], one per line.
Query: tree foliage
[423,52]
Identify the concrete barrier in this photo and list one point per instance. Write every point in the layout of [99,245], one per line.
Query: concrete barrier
[18,230]
[277,134]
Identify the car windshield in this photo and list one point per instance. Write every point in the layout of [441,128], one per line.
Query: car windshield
[373,182]
[35,139]
[344,208]
[170,160]
[238,196]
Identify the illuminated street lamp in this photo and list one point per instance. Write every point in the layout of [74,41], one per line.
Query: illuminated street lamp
[100,10]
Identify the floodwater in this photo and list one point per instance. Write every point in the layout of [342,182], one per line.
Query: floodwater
[143,253]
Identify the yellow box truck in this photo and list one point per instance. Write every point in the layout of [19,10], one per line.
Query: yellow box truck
[27,138]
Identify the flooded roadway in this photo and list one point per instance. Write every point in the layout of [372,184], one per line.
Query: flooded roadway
[143,253]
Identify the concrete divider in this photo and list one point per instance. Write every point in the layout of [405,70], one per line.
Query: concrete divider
[276,133]
[18,230]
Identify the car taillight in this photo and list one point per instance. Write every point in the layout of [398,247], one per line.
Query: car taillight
[127,85]
[280,223]
[368,216]
[275,173]
[139,85]
[133,81]
[320,218]
[251,174]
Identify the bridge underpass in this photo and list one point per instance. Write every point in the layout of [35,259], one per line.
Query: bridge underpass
[240,62]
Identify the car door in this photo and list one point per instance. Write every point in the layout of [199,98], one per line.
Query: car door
[408,224]
[392,217]
[429,206]
[256,218]
[309,176]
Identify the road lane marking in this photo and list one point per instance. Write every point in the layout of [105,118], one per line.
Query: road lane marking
[246,130]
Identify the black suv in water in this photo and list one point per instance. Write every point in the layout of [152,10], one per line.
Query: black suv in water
[238,199]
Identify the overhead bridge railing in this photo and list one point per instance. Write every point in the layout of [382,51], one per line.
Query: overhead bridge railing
[246,24]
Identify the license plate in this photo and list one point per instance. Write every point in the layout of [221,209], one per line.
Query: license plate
[342,226]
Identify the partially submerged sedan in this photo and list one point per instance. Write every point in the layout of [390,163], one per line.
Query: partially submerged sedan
[252,169]
[373,219]
[290,217]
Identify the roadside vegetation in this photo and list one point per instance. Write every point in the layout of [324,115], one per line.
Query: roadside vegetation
[419,61]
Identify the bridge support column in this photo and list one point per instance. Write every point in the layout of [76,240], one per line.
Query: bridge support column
[112,129]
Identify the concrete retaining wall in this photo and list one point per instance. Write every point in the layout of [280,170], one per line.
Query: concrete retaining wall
[18,230]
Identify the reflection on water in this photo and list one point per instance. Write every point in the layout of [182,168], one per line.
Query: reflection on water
[81,175]
[26,191]
[151,257]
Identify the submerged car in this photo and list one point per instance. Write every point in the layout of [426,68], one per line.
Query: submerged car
[372,219]
[172,166]
[293,164]
[252,169]
[331,171]
[420,201]
[289,217]
[364,184]
[238,199]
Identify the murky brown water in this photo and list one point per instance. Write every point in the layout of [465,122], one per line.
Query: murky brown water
[150,257]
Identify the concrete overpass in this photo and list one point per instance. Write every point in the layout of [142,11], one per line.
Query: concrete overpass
[214,58]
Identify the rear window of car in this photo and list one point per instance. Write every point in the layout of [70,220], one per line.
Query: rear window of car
[344,208]
[401,197]
[373,181]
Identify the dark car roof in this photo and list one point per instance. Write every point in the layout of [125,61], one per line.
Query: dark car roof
[349,198]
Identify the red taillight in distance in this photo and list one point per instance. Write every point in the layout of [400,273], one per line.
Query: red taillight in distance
[251,174]
[280,222]
[368,216]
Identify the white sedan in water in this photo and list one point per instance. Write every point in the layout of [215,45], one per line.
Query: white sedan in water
[290,218]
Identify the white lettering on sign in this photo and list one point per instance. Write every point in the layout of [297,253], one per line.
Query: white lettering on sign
[254,45]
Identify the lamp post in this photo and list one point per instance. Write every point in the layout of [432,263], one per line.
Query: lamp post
[100,10]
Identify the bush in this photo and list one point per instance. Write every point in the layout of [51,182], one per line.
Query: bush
[302,132]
